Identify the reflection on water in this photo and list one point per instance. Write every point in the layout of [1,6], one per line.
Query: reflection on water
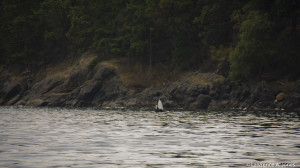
[55,137]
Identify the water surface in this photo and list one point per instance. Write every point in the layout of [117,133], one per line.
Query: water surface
[60,137]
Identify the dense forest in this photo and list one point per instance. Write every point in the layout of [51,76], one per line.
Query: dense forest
[250,38]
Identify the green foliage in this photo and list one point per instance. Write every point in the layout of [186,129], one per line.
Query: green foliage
[249,56]
[254,36]
[20,32]
[266,39]
[220,54]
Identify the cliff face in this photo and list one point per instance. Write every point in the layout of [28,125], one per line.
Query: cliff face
[102,86]
[78,87]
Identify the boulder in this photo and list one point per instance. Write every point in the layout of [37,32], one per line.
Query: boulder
[36,102]
[201,102]
[281,96]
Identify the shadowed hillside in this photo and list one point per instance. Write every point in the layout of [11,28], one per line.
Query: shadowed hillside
[97,52]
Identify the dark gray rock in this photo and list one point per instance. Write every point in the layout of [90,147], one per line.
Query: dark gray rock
[12,91]
[104,73]
[196,89]
[218,104]
[289,100]
[241,95]
[76,79]
[52,83]
[88,90]
[202,102]
[181,95]
[103,87]
[110,91]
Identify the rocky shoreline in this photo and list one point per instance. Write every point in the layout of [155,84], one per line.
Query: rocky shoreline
[103,87]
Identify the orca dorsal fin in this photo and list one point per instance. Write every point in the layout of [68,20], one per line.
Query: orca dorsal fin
[160,105]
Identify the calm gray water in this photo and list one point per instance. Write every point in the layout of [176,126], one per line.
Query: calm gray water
[59,137]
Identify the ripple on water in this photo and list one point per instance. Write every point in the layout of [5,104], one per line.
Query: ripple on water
[61,137]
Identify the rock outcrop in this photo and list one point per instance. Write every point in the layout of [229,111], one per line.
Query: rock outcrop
[78,87]
[102,86]
[289,100]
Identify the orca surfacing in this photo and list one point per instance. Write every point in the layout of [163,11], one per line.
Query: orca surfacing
[159,106]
